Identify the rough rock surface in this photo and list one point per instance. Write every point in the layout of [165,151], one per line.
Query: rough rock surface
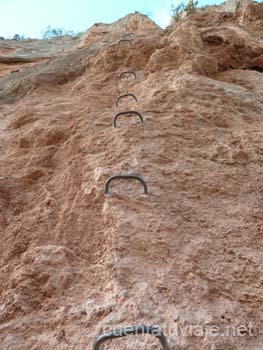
[234,5]
[190,253]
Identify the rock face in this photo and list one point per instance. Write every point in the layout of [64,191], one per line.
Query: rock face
[187,256]
[234,5]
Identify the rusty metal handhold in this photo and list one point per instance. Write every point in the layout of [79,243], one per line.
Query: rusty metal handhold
[132,330]
[128,177]
[125,40]
[128,72]
[126,113]
[125,95]
[131,34]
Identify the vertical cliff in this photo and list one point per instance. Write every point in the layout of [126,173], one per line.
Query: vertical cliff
[188,255]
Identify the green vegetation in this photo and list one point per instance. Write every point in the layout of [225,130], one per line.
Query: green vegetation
[189,8]
[18,37]
[177,11]
[50,33]
[47,34]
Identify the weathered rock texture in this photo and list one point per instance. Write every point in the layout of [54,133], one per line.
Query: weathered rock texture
[234,5]
[188,254]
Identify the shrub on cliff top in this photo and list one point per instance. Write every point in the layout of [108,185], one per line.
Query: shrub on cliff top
[190,8]
[50,33]
[18,37]
[177,11]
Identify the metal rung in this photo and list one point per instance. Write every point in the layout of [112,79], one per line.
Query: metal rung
[129,177]
[132,330]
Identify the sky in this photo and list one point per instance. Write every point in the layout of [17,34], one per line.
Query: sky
[31,17]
